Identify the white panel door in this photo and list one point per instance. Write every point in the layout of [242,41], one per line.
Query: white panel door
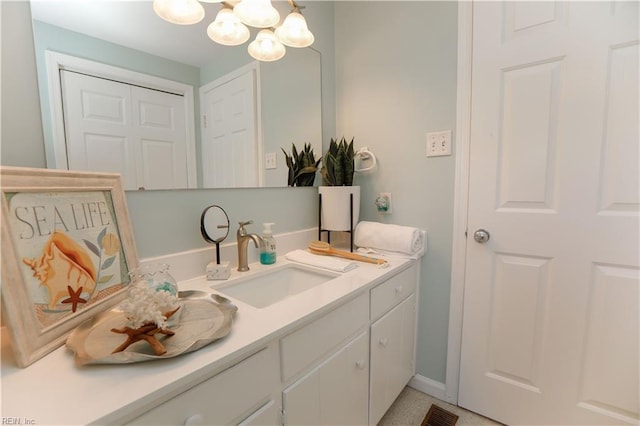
[116,127]
[160,129]
[551,305]
[98,126]
[230,136]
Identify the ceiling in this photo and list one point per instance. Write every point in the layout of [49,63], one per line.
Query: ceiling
[133,23]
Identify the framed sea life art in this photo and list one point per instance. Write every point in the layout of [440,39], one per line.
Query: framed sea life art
[67,249]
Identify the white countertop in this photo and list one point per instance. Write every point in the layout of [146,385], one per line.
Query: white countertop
[54,391]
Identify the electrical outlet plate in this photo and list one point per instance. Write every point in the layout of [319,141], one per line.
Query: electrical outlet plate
[383,203]
[270,160]
[439,143]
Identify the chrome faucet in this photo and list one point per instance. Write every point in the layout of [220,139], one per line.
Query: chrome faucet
[243,241]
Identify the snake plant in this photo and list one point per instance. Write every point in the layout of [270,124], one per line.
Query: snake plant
[302,165]
[337,164]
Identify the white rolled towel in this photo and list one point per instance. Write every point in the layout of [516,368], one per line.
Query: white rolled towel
[389,238]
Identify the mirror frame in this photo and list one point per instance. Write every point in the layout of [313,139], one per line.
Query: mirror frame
[208,214]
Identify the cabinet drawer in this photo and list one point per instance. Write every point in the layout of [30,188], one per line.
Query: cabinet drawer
[394,290]
[313,341]
[226,398]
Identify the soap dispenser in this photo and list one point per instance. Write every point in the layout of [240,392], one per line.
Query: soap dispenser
[268,253]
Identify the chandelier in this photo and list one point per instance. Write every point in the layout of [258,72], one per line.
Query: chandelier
[230,28]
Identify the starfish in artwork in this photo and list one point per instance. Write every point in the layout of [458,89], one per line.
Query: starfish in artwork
[74,298]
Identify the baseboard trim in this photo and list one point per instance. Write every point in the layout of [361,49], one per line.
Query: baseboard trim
[430,387]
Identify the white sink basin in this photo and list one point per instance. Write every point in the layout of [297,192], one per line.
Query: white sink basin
[266,288]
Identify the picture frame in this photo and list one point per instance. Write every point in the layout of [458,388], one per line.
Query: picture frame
[67,249]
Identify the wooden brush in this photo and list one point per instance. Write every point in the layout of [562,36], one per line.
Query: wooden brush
[320,247]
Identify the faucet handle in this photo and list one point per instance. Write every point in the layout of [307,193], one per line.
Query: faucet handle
[241,229]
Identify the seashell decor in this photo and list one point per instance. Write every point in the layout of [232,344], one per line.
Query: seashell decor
[65,269]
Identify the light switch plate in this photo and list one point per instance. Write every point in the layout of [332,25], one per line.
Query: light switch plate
[439,143]
[270,161]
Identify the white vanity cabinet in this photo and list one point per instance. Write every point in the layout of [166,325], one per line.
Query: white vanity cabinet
[339,353]
[325,368]
[345,366]
[393,334]
[243,394]
[348,366]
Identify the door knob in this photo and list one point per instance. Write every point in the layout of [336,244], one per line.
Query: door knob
[481,236]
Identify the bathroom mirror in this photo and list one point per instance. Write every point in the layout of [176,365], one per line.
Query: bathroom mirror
[128,34]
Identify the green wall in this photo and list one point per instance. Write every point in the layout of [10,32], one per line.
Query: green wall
[22,138]
[396,81]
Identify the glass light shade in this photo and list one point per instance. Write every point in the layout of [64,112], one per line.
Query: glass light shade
[181,12]
[257,13]
[294,31]
[266,47]
[227,29]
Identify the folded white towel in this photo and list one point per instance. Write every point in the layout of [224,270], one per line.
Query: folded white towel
[391,239]
[321,261]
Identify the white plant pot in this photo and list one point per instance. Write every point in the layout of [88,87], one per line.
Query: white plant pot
[336,207]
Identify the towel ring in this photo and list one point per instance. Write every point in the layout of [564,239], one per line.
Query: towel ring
[363,155]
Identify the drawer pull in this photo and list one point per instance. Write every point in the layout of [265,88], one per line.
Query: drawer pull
[399,289]
[384,342]
[360,364]
[194,420]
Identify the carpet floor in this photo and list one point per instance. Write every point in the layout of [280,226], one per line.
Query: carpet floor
[411,407]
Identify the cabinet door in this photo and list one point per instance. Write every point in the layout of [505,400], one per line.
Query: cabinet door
[392,356]
[333,393]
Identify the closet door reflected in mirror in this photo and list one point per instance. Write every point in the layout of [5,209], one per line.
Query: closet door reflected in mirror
[230,137]
[120,128]
[110,119]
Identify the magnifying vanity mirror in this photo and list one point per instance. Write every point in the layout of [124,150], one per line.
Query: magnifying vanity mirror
[214,226]
[101,60]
